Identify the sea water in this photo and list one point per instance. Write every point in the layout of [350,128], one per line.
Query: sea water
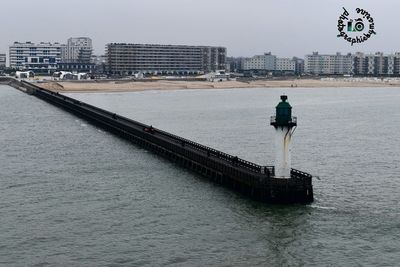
[72,194]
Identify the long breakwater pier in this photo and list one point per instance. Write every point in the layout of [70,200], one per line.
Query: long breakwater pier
[255,181]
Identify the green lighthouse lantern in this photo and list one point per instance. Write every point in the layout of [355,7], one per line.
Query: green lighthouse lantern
[283,116]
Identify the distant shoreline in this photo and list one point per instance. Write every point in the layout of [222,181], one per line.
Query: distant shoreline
[135,86]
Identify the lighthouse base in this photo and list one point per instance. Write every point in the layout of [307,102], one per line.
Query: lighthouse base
[290,191]
[296,189]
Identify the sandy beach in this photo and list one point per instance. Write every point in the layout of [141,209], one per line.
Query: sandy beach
[127,86]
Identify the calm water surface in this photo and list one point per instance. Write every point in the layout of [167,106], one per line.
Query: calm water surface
[74,195]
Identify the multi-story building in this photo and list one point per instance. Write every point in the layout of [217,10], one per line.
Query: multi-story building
[40,58]
[360,64]
[3,60]
[126,59]
[342,64]
[380,62]
[236,64]
[390,62]
[299,66]
[376,64]
[77,49]
[338,64]
[285,65]
[396,64]
[255,63]
[370,64]
[266,62]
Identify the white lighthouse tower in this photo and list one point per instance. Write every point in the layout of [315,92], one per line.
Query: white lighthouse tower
[284,125]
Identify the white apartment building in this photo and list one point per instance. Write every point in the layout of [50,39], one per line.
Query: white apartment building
[328,64]
[39,58]
[260,62]
[77,49]
[285,64]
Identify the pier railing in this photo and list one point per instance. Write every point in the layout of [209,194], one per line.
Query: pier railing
[216,153]
[299,174]
[293,120]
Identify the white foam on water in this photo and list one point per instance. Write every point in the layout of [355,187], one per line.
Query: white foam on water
[323,208]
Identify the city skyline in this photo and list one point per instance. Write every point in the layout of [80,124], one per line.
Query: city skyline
[61,43]
[128,59]
[285,28]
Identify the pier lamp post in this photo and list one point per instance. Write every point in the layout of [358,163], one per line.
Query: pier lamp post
[284,125]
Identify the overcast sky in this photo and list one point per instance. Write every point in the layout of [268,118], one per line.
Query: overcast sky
[246,27]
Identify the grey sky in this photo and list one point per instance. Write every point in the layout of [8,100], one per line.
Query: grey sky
[246,27]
